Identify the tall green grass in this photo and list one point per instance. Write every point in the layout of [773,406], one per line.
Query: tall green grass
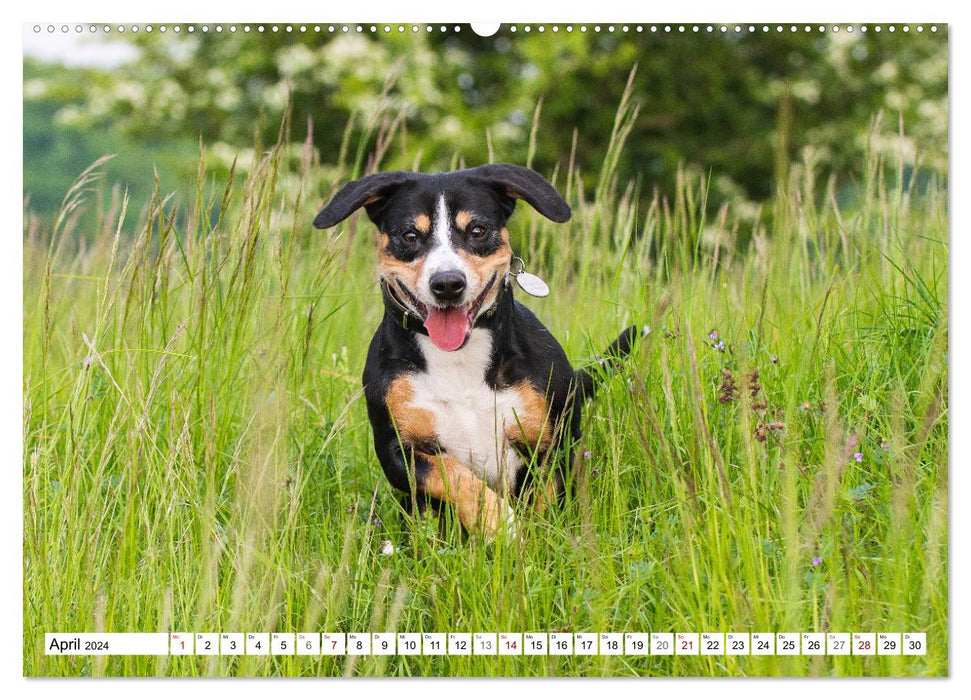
[773,458]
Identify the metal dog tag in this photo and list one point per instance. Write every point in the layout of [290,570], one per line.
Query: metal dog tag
[531,284]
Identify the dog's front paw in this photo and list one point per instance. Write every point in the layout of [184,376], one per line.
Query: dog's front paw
[510,526]
[498,518]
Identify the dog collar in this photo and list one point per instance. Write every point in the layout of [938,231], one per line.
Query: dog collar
[491,311]
[405,317]
[411,321]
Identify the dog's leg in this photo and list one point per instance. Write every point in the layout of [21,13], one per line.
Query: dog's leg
[480,509]
[404,440]
[548,493]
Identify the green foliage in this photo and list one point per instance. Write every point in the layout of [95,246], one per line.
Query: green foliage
[739,105]
[59,143]
[198,457]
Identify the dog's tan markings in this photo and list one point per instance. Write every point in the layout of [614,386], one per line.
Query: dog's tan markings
[414,424]
[480,509]
[390,268]
[484,266]
[531,426]
[462,219]
[546,496]
[423,223]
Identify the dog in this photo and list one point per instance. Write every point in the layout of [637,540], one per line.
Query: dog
[471,399]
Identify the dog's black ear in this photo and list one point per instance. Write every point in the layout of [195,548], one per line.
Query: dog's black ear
[366,192]
[523,183]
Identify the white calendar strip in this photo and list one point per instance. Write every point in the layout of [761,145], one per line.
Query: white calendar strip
[488,644]
[107,644]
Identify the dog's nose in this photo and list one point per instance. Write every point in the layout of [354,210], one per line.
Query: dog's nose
[447,286]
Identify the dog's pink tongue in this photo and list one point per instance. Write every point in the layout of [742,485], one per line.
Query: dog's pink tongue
[447,327]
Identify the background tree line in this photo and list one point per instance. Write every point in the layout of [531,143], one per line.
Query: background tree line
[736,105]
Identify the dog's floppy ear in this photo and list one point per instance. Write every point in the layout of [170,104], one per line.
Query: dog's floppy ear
[365,192]
[523,183]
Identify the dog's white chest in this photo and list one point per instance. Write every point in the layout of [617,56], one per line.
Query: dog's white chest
[471,419]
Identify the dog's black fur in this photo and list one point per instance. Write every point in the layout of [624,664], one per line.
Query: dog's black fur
[444,258]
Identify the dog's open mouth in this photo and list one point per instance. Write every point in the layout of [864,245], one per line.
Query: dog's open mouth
[450,326]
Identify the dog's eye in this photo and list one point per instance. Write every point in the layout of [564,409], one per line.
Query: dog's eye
[477,231]
[409,236]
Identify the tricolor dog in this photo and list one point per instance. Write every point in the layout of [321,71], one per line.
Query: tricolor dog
[472,401]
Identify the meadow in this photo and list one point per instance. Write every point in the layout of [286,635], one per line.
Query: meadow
[197,455]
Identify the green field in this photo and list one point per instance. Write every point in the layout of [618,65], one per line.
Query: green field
[772,458]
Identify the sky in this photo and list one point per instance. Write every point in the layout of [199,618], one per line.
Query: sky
[73,48]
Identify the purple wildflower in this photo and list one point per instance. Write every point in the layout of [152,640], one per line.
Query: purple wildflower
[713,335]
[885,446]
[720,346]
[858,456]
[817,561]
[586,453]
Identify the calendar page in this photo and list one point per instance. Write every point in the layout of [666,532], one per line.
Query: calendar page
[496,350]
